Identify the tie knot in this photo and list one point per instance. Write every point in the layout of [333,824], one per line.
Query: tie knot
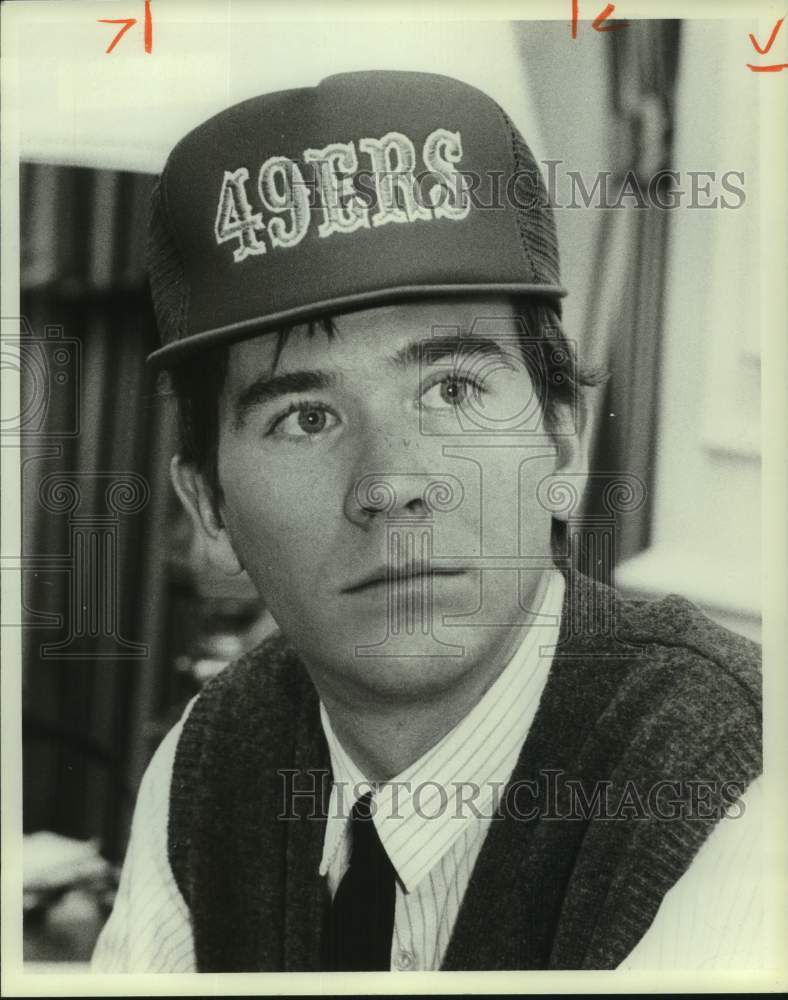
[362,810]
[366,846]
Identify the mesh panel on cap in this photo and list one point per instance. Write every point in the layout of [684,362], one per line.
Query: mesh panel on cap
[534,213]
[169,289]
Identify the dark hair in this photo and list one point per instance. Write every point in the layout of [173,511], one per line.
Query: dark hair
[550,358]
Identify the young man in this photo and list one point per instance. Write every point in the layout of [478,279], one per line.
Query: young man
[457,752]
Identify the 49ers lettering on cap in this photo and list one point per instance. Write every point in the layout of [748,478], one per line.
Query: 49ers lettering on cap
[370,188]
[400,189]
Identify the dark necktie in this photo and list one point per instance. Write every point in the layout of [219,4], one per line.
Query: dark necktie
[361,920]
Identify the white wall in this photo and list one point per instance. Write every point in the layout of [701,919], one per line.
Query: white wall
[126,109]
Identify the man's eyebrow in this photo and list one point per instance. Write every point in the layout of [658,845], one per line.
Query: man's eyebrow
[267,388]
[434,349]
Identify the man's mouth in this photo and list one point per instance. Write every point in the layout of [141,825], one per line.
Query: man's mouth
[398,575]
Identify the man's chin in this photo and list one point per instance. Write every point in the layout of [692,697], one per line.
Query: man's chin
[376,662]
[400,676]
[363,645]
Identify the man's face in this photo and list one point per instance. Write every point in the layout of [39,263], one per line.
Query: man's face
[355,464]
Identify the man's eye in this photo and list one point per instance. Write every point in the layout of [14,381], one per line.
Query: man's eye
[304,420]
[452,390]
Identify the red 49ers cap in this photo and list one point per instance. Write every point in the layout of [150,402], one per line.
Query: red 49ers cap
[370,188]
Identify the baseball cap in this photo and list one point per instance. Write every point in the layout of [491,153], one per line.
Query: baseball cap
[370,188]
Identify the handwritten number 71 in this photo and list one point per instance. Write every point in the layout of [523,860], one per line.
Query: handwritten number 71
[129,22]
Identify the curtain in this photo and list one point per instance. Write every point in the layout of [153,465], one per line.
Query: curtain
[624,309]
[96,440]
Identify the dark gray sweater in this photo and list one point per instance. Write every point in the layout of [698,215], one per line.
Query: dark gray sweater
[638,694]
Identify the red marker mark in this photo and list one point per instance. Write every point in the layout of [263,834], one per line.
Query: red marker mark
[601,18]
[127,23]
[598,24]
[148,28]
[772,37]
[775,67]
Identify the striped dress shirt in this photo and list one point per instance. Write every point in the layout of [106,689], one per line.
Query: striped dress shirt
[432,819]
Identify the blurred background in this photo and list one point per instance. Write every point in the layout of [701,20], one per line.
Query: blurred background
[124,621]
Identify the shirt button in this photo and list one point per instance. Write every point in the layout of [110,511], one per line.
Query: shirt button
[404,961]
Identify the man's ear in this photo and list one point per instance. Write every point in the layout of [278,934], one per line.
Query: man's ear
[197,497]
[570,435]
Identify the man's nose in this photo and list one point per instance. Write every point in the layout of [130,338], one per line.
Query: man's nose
[394,479]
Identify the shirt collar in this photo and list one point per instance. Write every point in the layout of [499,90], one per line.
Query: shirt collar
[421,812]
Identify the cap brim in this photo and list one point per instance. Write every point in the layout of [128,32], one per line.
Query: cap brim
[181,350]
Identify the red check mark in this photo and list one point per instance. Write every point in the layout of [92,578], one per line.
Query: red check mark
[772,37]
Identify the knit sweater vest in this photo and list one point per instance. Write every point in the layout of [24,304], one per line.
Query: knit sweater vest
[639,694]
